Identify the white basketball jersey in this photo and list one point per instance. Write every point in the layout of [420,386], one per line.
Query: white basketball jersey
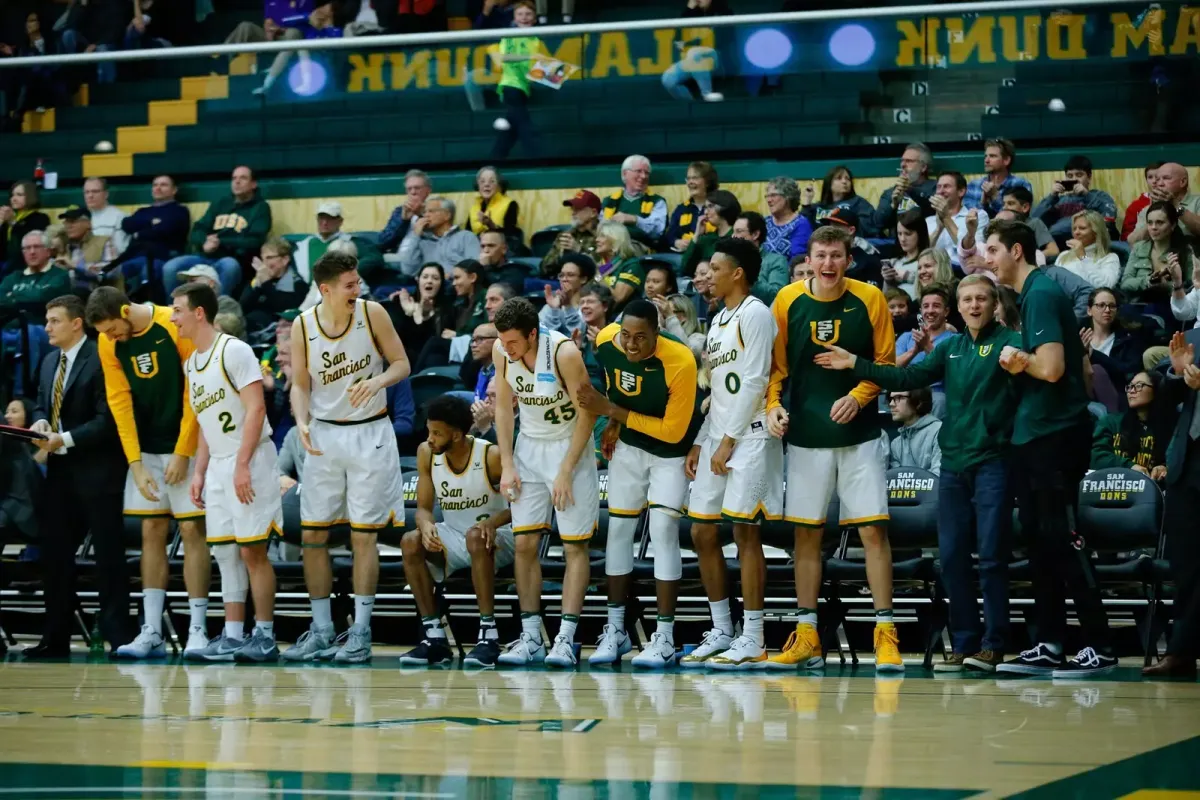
[339,359]
[214,393]
[549,415]
[466,497]
[739,346]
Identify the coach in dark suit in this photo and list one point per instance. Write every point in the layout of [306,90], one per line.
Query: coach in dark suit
[1183,504]
[85,480]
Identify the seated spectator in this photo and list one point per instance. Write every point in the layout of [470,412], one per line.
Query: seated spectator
[913,346]
[900,306]
[403,412]
[1171,185]
[837,191]
[470,294]
[933,267]
[230,324]
[231,231]
[706,304]
[1019,201]
[912,239]
[774,273]
[417,187]
[1143,201]
[987,192]
[787,229]
[310,248]
[18,218]
[1088,254]
[421,318]
[916,442]
[275,288]
[435,238]
[865,264]
[39,87]
[1137,438]
[680,321]
[494,296]
[146,30]
[87,253]
[156,233]
[493,255]
[618,265]
[484,412]
[801,270]
[660,283]
[205,274]
[687,220]
[19,414]
[1008,311]
[721,211]
[1115,345]
[496,14]
[1147,275]
[479,368]
[1069,196]
[492,209]
[644,214]
[911,191]
[106,219]
[318,25]
[290,464]
[596,308]
[31,288]
[972,260]
[581,238]
[948,225]
[561,312]
[96,26]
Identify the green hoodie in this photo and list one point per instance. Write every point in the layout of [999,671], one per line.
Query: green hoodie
[981,398]
[241,227]
[1108,450]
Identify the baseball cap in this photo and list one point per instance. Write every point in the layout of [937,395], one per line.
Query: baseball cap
[583,199]
[201,271]
[330,209]
[289,315]
[73,213]
[841,216]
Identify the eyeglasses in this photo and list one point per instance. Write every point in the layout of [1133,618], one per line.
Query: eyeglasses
[896,398]
[481,339]
[1105,306]
[1137,387]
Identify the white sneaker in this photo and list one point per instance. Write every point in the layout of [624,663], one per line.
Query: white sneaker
[148,644]
[197,640]
[610,647]
[523,651]
[562,653]
[713,97]
[743,654]
[714,642]
[658,654]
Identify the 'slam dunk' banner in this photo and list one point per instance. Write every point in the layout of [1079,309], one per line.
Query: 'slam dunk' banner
[1136,33]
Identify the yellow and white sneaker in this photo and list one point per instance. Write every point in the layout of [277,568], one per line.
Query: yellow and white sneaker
[715,642]
[887,648]
[801,651]
[743,654]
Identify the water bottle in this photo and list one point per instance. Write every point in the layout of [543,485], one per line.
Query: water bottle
[39,174]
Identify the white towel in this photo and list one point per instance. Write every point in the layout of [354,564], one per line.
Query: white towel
[545,380]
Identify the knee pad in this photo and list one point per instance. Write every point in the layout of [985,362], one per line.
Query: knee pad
[618,552]
[664,535]
[235,581]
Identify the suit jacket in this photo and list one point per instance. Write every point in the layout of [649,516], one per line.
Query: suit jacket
[1177,450]
[96,460]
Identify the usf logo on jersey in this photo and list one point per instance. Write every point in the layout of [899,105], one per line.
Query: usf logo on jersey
[145,365]
[985,350]
[826,331]
[628,383]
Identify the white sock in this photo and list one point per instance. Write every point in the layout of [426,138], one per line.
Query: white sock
[807,617]
[363,605]
[616,616]
[721,616]
[531,624]
[322,614]
[666,628]
[268,628]
[234,630]
[752,626]
[433,627]
[1053,648]
[153,601]
[199,609]
[568,626]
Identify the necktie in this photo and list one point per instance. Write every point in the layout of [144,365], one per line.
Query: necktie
[59,381]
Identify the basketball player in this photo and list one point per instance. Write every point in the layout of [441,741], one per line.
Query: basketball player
[551,467]
[142,355]
[463,473]
[339,348]
[735,463]
[236,477]
[651,408]
[832,446]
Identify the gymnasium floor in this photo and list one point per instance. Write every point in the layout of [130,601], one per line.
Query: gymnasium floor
[98,729]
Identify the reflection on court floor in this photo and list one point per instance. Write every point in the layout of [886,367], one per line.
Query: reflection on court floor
[116,730]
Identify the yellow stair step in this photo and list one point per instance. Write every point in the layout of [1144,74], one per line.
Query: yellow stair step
[38,121]
[172,112]
[108,165]
[204,87]
[134,139]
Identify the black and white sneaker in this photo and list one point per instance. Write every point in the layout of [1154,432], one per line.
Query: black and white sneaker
[1087,663]
[483,655]
[430,652]
[1039,660]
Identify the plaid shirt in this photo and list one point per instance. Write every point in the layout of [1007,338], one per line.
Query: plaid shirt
[974,196]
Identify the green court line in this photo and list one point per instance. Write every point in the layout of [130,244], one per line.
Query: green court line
[1173,767]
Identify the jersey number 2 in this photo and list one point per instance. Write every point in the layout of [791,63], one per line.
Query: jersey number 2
[567,411]
[227,425]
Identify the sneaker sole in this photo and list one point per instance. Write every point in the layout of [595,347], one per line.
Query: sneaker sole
[948,668]
[300,659]
[812,663]
[352,659]
[243,659]
[1082,673]
[1023,669]
[525,662]
[655,663]
[223,658]
[153,654]
[560,664]
[980,666]
[477,664]
[741,666]
[889,668]
[418,662]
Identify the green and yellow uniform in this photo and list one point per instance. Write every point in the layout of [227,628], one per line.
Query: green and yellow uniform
[646,206]
[859,322]
[630,272]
